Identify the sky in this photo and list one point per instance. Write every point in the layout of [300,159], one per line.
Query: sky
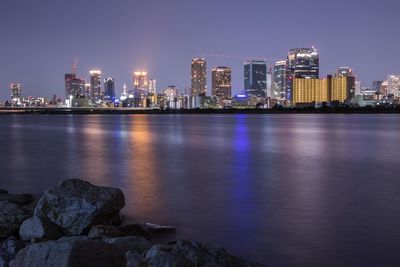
[39,39]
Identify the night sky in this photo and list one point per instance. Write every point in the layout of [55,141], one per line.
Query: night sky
[40,38]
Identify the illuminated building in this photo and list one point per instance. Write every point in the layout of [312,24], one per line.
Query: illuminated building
[344,72]
[376,85]
[221,82]
[153,86]
[95,85]
[77,87]
[307,91]
[199,77]
[68,80]
[255,78]
[343,88]
[109,88]
[140,81]
[384,88]
[393,82]
[171,93]
[16,94]
[279,78]
[301,63]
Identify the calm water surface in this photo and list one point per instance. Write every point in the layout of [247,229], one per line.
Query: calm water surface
[286,190]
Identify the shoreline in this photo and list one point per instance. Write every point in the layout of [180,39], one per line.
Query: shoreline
[129,111]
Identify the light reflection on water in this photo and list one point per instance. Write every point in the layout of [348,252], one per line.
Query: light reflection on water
[287,190]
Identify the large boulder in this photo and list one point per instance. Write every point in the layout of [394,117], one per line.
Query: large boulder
[187,253]
[8,250]
[100,231]
[69,252]
[35,228]
[135,244]
[75,206]
[11,218]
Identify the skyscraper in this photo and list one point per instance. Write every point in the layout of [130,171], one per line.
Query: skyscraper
[255,78]
[393,85]
[153,86]
[279,80]
[301,63]
[95,85]
[376,85]
[140,81]
[344,72]
[221,82]
[109,88]
[68,83]
[199,77]
[16,93]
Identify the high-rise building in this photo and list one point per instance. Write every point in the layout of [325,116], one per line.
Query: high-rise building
[376,85]
[394,85]
[307,91]
[344,72]
[16,93]
[95,85]
[221,82]
[384,88]
[199,77]
[77,86]
[109,88]
[68,80]
[140,81]
[279,80]
[343,88]
[153,86]
[357,85]
[301,63]
[255,78]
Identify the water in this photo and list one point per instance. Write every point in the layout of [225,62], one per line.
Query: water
[285,190]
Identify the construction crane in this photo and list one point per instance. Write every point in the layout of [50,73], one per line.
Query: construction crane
[75,66]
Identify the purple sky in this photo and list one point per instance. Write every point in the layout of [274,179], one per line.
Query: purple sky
[40,38]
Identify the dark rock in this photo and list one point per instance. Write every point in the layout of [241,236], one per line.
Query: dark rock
[8,250]
[69,252]
[2,191]
[99,231]
[11,218]
[157,229]
[135,230]
[186,253]
[35,228]
[130,243]
[23,199]
[75,206]
[117,219]
[133,259]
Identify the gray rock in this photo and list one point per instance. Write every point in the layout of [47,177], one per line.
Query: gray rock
[75,206]
[186,253]
[23,199]
[8,250]
[130,243]
[133,259]
[99,231]
[134,230]
[157,229]
[35,228]
[69,252]
[11,218]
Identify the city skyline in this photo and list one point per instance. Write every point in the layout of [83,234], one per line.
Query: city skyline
[38,56]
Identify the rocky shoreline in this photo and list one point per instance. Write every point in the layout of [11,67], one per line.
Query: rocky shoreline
[79,224]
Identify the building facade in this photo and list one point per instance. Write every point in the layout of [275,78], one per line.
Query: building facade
[279,80]
[199,77]
[255,78]
[221,82]
[393,82]
[109,88]
[95,85]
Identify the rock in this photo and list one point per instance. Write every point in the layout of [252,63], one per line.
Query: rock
[130,243]
[134,230]
[23,199]
[99,231]
[36,228]
[186,253]
[75,206]
[8,250]
[157,229]
[133,259]
[11,218]
[69,252]
[2,191]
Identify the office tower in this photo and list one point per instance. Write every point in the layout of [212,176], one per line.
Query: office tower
[344,72]
[171,93]
[77,87]
[140,81]
[308,91]
[357,85]
[109,88]
[16,93]
[255,78]
[269,82]
[68,80]
[376,85]
[153,86]
[301,63]
[95,85]
[279,80]
[343,89]
[199,77]
[384,88]
[393,85]
[221,82]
